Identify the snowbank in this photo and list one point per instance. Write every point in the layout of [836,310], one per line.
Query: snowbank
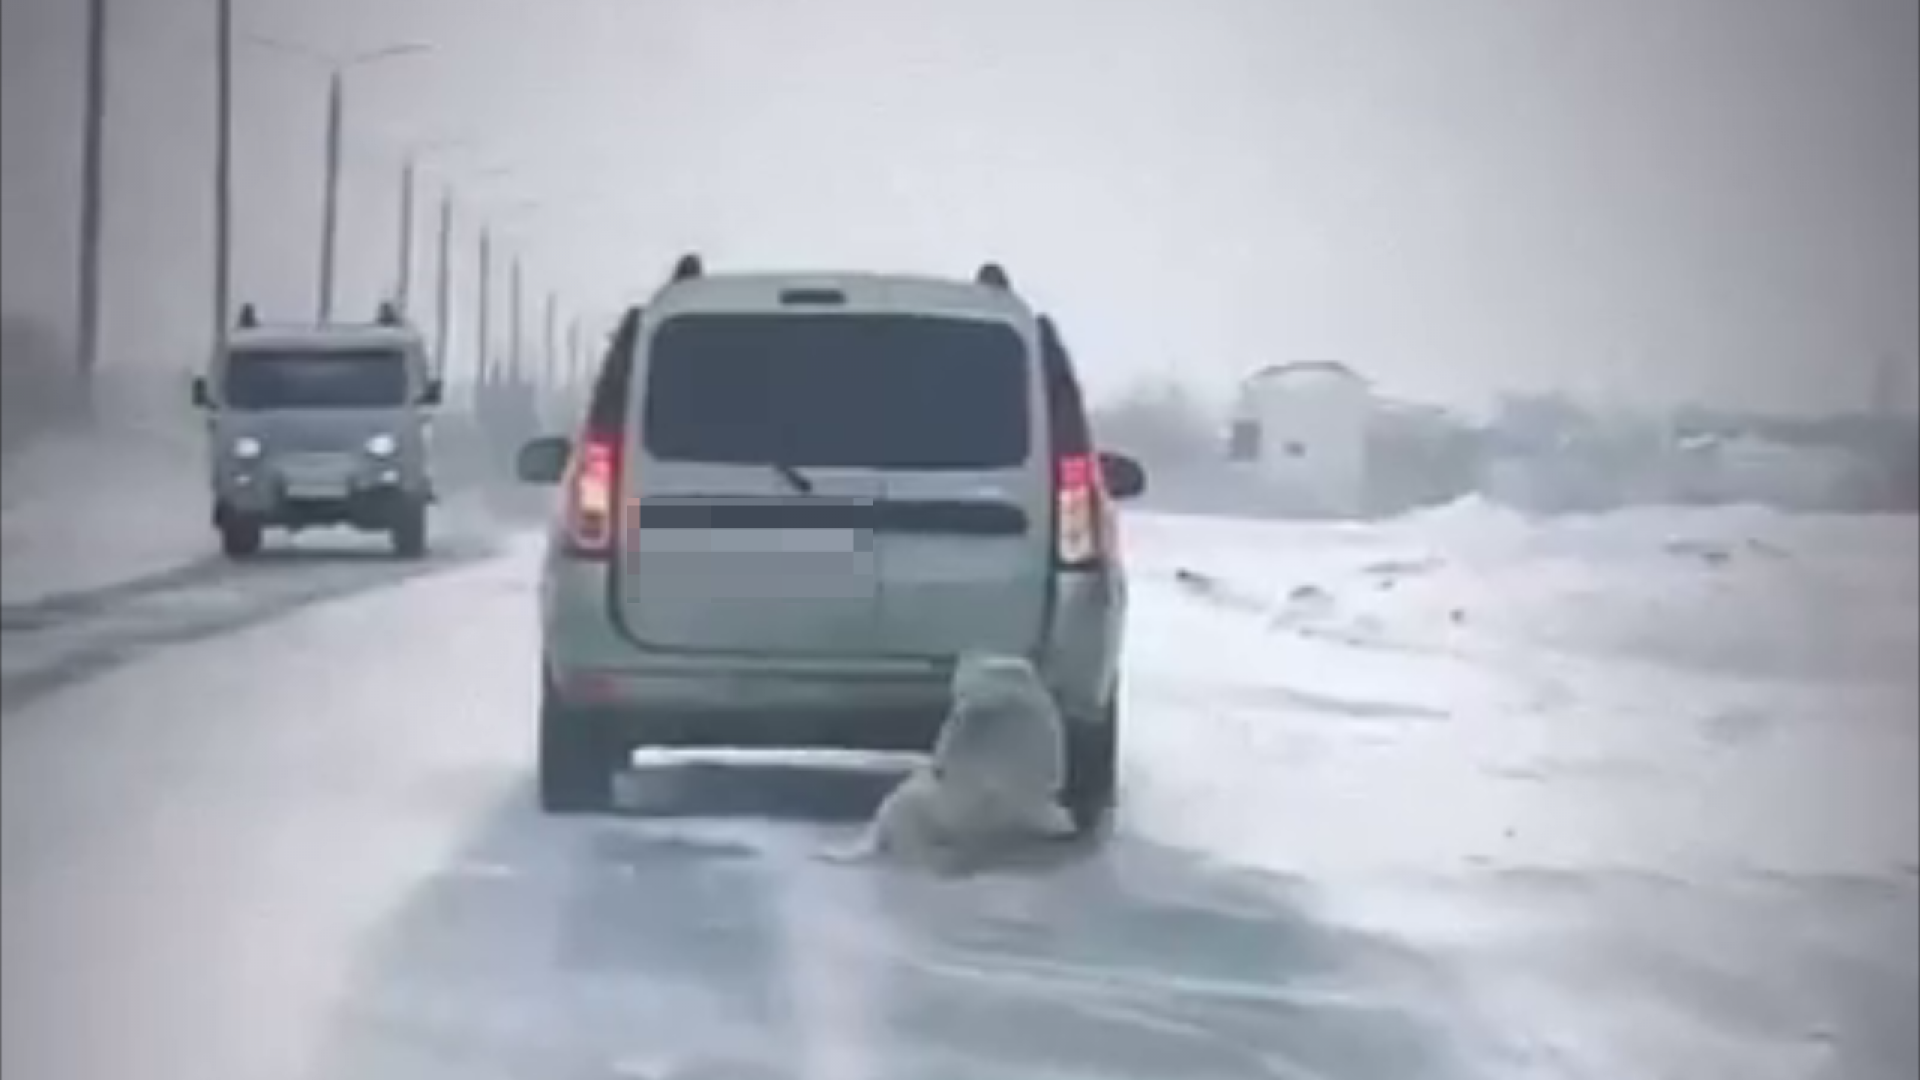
[1739,681]
[1741,588]
[87,506]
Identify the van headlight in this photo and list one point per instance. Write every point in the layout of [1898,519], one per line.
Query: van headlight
[382,446]
[246,448]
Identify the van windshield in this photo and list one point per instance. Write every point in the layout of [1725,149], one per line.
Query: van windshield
[863,391]
[316,379]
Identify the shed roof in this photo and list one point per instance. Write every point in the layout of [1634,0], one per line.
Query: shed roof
[1306,369]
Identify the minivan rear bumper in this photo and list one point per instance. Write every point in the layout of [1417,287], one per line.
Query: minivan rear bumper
[876,702]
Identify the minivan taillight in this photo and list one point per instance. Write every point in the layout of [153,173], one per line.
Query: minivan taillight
[1080,530]
[591,499]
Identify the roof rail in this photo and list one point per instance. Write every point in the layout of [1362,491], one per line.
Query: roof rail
[688,267]
[994,276]
[248,316]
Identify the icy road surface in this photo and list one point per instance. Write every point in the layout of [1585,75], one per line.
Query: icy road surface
[1455,796]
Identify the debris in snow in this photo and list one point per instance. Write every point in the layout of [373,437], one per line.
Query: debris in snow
[1398,568]
[1197,581]
[1707,551]
[1215,589]
[1308,600]
[1720,553]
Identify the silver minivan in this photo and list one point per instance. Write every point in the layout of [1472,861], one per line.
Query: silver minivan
[796,499]
[313,426]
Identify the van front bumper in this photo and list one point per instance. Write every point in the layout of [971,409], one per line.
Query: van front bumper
[370,497]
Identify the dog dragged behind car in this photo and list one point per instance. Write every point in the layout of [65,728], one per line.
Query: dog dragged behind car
[990,793]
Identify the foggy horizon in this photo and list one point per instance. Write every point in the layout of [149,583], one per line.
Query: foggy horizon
[1705,201]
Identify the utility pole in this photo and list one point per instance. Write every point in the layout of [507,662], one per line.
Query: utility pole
[223,176]
[443,289]
[550,352]
[330,195]
[485,307]
[573,353]
[513,323]
[330,207]
[404,292]
[92,185]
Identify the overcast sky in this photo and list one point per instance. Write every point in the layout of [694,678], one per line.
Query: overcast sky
[1644,200]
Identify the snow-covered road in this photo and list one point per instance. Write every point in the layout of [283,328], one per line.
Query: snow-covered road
[1454,796]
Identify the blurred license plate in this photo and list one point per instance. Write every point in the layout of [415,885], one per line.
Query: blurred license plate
[316,477]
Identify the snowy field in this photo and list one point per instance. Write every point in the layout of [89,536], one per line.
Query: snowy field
[1455,796]
[79,512]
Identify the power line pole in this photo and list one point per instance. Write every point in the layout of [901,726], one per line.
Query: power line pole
[513,323]
[443,289]
[330,207]
[481,345]
[223,176]
[404,291]
[573,350]
[92,185]
[550,352]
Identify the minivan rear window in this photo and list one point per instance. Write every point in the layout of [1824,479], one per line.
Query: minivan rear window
[837,390]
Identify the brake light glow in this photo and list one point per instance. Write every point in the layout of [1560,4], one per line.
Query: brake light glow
[1080,530]
[591,498]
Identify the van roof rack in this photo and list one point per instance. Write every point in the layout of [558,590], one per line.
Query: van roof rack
[993,276]
[688,267]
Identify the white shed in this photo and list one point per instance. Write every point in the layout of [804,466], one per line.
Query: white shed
[1303,431]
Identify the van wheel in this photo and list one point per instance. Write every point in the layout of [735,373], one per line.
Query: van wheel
[576,766]
[1093,755]
[240,539]
[409,530]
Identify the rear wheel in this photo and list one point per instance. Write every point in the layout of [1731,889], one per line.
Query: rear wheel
[239,538]
[576,761]
[1093,754]
[409,530]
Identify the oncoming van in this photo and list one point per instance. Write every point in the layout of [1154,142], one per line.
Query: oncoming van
[320,426]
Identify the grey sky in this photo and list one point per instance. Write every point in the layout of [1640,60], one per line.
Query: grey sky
[1647,199]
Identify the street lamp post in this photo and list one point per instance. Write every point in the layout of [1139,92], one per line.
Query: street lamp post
[572,380]
[223,174]
[403,288]
[330,199]
[550,349]
[484,309]
[443,287]
[513,322]
[337,67]
[92,193]
[409,175]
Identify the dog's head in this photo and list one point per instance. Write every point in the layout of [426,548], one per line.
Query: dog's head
[1004,730]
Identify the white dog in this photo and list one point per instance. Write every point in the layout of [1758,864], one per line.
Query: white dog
[994,780]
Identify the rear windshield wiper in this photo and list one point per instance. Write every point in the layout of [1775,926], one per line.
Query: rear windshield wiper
[794,477]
